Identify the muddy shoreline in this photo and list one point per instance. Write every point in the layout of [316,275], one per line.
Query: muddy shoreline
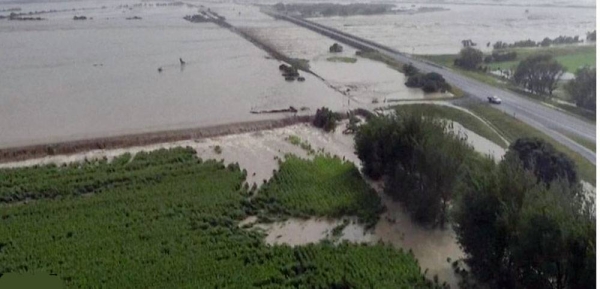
[21,153]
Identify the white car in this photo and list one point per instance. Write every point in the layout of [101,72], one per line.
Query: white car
[494,99]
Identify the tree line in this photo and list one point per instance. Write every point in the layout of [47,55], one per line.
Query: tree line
[429,82]
[522,222]
[538,73]
[547,41]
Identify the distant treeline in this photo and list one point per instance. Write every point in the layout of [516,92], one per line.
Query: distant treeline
[500,57]
[20,16]
[11,10]
[544,43]
[331,9]
[591,36]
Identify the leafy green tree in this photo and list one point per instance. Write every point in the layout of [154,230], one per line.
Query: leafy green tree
[549,244]
[325,119]
[546,42]
[478,228]
[410,69]
[377,144]
[539,74]
[430,82]
[583,88]
[469,58]
[421,157]
[519,233]
[544,160]
[426,180]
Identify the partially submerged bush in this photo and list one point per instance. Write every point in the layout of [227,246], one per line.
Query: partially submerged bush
[430,82]
[325,119]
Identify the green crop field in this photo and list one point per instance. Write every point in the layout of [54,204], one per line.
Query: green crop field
[167,219]
[325,186]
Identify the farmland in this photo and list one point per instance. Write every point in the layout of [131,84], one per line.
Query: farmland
[325,186]
[572,57]
[167,219]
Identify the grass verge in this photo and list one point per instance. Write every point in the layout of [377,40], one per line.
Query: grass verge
[376,56]
[512,129]
[490,79]
[570,56]
[467,120]
[342,59]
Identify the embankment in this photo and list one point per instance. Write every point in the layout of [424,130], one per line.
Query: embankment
[71,147]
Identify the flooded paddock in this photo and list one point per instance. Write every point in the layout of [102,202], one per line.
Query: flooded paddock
[66,79]
[441,32]
[365,81]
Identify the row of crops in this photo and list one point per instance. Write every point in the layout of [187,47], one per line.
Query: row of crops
[324,186]
[167,219]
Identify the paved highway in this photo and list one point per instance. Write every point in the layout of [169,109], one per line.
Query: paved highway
[548,120]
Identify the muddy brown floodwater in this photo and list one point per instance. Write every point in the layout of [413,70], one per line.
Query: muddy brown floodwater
[441,32]
[65,80]
[365,81]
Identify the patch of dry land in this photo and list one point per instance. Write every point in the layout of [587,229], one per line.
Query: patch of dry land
[263,153]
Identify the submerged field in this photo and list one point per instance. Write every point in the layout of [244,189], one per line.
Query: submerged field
[167,219]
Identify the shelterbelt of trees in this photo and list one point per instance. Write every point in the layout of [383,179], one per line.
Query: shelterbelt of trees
[524,222]
[539,74]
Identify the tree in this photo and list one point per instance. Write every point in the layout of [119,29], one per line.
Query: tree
[426,181]
[591,36]
[546,163]
[518,233]
[410,69]
[539,74]
[325,119]
[546,42]
[378,146]
[336,48]
[421,159]
[477,222]
[469,58]
[500,45]
[430,82]
[582,89]
[468,43]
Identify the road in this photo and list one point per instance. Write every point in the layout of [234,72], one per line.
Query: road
[551,121]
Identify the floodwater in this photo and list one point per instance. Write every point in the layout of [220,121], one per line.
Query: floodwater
[296,232]
[365,81]
[64,79]
[479,143]
[257,152]
[441,32]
